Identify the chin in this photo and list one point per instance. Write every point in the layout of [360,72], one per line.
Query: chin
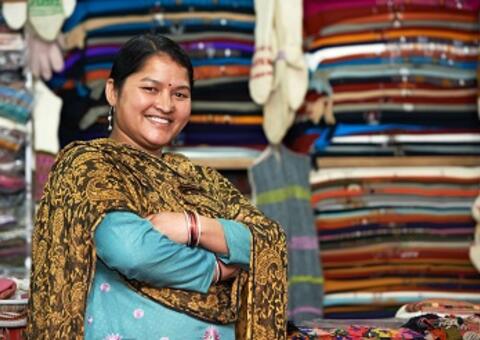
[158,140]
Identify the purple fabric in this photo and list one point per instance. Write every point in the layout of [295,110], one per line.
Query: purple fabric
[303,243]
[103,50]
[75,57]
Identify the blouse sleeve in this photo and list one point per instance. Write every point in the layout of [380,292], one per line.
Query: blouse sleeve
[238,238]
[129,244]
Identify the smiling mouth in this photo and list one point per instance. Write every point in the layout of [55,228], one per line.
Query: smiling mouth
[159,120]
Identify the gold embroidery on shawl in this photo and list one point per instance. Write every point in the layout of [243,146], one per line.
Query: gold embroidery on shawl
[91,178]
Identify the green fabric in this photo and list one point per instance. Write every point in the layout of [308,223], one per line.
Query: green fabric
[282,194]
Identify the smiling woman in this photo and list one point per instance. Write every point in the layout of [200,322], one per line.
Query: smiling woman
[134,243]
[153,103]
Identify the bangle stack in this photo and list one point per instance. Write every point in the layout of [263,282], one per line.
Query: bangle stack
[194,228]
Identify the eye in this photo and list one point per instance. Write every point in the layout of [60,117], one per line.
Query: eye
[149,89]
[181,95]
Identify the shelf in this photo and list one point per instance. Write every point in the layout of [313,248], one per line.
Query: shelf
[239,163]
[218,157]
[233,163]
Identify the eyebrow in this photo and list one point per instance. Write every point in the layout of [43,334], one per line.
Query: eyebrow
[158,83]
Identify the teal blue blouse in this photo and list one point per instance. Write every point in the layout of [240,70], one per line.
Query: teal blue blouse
[127,244]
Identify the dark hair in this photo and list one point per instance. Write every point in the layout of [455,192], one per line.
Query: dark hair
[137,50]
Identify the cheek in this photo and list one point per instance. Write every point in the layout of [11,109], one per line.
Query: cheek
[141,102]
[184,111]
[136,101]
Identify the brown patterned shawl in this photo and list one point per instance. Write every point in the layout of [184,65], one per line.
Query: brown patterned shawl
[92,178]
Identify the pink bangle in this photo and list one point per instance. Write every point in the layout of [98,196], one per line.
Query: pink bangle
[188,227]
[193,230]
[199,228]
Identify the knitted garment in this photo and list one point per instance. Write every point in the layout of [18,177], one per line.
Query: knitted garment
[280,184]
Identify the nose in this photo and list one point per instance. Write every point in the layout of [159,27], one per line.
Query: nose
[164,102]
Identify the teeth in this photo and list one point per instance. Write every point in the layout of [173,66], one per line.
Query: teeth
[158,119]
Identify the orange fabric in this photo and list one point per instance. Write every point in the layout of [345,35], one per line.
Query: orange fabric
[101,74]
[364,190]
[333,264]
[393,34]
[315,22]
[226,119]
[422,269]
[335,286]
[209,72]
[339,223]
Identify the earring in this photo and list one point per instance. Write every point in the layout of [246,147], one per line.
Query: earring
[111,111]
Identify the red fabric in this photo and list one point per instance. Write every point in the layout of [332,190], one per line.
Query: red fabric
[12,333]
[7,288]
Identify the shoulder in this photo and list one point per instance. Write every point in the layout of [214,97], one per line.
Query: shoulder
[180,163]
[78,153]
[185,166]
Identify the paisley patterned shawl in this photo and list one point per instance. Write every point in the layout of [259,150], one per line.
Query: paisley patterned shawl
[92,178]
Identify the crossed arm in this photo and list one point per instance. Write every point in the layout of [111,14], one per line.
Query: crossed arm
[153,249]
[213,239]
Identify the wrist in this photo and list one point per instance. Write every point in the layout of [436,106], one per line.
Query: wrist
[193,228]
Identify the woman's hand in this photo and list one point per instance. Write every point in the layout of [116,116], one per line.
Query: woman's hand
[170,224]
[228,271]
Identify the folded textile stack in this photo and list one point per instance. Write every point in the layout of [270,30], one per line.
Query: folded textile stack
[13,304]
[16,104]
[217,35]
[389,78]
[394,235]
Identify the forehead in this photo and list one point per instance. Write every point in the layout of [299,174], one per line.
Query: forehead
[163,64]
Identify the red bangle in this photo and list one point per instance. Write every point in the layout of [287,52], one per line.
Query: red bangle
[193,222]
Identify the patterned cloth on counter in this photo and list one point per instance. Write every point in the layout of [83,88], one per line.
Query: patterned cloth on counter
[354,332]
[428,326]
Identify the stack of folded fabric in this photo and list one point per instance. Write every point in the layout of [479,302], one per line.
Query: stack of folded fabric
[13,308]
[394,235]
[218,36]
[16,102]
[390,77]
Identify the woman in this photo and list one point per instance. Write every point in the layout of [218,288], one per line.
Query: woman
[133,243]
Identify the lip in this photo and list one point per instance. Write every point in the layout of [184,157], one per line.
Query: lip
[158,120]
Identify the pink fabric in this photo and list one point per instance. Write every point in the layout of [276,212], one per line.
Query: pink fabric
[43,164]
[13,183]
[7,288]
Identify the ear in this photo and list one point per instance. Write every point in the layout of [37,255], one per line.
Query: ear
[110,92]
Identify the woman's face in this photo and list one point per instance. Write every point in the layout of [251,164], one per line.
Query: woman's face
[153,105]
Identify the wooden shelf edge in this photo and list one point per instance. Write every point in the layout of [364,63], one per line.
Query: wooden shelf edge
[375,161]
[239,163]
[225,163]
